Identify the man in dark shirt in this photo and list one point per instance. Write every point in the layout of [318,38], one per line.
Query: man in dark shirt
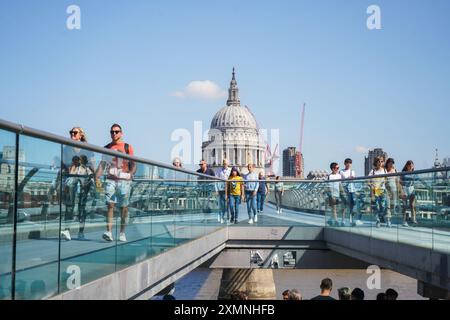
[207,186]
[205,170]
[325,290]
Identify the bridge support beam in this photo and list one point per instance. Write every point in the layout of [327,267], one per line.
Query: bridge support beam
[257,283]
[429,291]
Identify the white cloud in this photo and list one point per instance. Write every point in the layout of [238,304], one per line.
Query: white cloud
[178,94]
[361,149]
[205,89]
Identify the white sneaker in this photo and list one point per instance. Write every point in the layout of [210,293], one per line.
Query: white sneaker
[66,235]
[359,223]
[250,221]
[122,237]
[221,221]
[281,210]
[107,236]
[219,217]
[255,218]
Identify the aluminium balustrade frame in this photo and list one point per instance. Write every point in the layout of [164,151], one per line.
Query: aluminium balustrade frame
[362,178]
[357,179]
[23,130]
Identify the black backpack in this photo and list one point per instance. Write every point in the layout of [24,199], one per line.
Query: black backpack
[127,147]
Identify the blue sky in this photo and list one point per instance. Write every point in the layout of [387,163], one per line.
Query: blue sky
[363,88]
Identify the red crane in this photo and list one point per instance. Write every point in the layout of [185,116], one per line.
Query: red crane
[298,155]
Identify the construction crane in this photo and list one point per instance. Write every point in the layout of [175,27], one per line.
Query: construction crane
[298,155]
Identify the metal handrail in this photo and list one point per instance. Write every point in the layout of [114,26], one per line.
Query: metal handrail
[23,130]
[356,179]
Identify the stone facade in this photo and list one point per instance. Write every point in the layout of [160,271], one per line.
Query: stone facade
[234,135]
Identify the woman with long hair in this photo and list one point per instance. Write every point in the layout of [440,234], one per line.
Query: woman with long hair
[393,188]
[279,191]
[235,193]
[408,195]
[378,192]
[77,173]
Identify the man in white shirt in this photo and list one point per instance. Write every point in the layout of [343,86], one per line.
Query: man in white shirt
[349,188]
[223,173]
[335,193]
[251,190]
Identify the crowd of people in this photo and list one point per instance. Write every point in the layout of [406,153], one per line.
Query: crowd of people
[388,194]
[80,177]
[326,288]
[237,188]
[114,176]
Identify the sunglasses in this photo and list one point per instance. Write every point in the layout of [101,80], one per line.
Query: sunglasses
[115,131]
[74,133]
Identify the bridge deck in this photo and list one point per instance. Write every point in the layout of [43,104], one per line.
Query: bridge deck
[38,258]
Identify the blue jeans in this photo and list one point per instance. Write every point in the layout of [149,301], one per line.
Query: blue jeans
[351,203]
[380,207]
[279,199]
[251,203]
[235,201]
[222,204]
[261,197]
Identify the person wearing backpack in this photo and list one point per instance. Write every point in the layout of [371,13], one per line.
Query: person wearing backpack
[409,194]
[119,174]
[378,192]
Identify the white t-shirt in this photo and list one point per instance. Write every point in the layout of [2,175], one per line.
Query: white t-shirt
[346,174]
[334,186]
[222,173]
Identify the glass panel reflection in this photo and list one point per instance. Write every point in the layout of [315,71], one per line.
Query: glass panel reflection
[39,194]
[7,186]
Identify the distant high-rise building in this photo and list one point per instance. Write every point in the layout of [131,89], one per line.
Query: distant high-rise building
[368,161]
[446,162]
[437,163]
[289,162]
[301,160]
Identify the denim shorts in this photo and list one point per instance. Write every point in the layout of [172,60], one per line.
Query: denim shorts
[117,192]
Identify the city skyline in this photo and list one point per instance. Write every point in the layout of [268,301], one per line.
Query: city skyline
[364,89]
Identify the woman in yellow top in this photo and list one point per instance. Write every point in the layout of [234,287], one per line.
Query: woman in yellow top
[234,193]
